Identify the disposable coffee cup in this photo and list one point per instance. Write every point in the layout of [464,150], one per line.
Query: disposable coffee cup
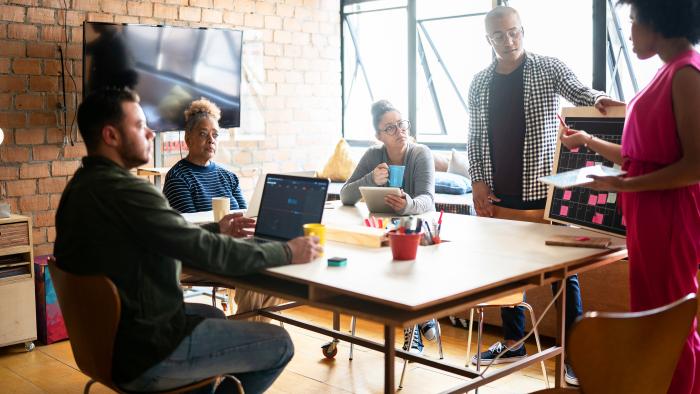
[396,175]
[221,207]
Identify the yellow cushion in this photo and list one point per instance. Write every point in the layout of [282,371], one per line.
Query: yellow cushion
[340,165]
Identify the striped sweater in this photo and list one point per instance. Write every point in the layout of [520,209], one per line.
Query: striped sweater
[190,188]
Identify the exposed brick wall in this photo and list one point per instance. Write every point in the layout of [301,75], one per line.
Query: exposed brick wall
[300,98]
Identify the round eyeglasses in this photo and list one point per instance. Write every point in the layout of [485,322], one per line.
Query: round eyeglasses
[393,128]
[499,37]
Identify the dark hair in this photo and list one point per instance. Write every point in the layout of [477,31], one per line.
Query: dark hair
[100,108]
[378,110]
[671,19]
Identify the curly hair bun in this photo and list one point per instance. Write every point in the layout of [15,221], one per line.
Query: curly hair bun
[379,108]
[203,106]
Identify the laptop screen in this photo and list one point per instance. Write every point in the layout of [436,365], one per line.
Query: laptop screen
[287,203]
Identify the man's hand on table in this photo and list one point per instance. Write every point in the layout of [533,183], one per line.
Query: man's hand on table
[236,225]
[304,249]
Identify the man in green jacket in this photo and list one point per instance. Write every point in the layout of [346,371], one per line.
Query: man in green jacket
[113,223]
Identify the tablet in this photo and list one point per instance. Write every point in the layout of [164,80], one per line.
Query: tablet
[374,198]
[580,176]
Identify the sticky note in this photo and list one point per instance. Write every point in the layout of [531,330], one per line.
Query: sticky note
[590,163]
[602,199]
[574,150]
[598,218]
[592,199]
[567,194]
[564,211]
[623,221]
[612,197]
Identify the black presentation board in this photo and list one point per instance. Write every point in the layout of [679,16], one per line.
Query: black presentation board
[581,206]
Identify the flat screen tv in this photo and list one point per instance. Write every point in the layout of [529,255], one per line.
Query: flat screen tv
[168,67]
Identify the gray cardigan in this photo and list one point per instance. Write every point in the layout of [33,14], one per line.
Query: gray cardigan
[419,178]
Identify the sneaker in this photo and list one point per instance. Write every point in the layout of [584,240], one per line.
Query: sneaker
[497,348]
[416,346]
[429,330]
[569,375]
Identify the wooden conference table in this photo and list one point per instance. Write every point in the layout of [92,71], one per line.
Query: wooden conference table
[484,259]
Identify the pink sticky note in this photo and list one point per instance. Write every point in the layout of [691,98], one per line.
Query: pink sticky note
[592,199]
[574,150]
[623,221]
[564,211]
[598,218]
[567,194]
[590,163]
[602,199]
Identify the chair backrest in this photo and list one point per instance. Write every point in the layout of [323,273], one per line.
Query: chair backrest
[91,310]
[632,352]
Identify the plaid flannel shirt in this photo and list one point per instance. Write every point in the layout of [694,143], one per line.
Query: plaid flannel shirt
[544,80]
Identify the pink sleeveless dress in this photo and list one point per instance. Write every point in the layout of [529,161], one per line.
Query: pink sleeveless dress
[663,227]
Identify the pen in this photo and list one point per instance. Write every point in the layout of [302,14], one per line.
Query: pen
[381,224]
[367,223]
[427,225]
[562,122]
[439,226]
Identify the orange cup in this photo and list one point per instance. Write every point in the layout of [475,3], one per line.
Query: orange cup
[404,246]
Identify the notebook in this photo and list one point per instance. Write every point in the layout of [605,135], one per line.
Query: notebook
[287,203]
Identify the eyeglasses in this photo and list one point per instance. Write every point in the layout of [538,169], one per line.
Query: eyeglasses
[393,128]
[499,37]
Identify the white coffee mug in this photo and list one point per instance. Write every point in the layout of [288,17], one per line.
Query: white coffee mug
[221,207]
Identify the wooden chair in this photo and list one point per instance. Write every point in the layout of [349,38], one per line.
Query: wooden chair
[91,310]
[646,348]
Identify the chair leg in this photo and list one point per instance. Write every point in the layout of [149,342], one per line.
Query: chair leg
[86,390]
[439,338]
[537,339]
[405,362]
[469,337]
[479,333]
[353,322]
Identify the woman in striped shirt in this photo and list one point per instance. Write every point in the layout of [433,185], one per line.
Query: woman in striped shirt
[194,180]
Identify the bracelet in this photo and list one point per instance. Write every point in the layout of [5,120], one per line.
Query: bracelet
[589,140]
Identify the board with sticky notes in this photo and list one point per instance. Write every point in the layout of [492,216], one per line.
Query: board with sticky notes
[581,206]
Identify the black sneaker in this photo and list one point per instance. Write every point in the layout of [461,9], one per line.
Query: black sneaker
[569,376]
[429,330]
[497,348]
[417,345]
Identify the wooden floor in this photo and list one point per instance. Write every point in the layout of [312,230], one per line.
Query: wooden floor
[51,369]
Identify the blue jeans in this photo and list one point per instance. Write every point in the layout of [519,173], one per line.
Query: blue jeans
[255,353]
[514,318]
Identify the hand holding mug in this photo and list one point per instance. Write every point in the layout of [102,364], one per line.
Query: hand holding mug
[380,174]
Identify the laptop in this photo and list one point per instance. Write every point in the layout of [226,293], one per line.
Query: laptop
[287,203]
[254,203]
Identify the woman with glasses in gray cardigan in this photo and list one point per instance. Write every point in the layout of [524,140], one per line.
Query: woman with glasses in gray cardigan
[418,190]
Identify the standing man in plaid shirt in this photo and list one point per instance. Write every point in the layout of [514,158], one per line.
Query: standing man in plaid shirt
[512,137]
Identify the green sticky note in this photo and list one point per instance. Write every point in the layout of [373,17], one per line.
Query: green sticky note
[337,261]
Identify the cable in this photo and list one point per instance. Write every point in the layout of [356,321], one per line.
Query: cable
[67,134]
[523,339]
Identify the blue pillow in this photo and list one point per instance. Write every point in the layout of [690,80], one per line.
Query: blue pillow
[449,183]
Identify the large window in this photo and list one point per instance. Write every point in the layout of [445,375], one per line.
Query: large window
[448,47]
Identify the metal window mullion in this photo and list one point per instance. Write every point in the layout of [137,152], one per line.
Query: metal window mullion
[431,86]
[411,64]
[623,44]
[443,65]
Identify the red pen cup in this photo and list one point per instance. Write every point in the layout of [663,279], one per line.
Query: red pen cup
[404,246]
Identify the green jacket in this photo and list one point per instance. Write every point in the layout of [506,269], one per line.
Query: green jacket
[113,223]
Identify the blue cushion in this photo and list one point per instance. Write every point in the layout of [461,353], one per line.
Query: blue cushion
[448,183]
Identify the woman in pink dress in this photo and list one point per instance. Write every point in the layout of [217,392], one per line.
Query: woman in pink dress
[661,153]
